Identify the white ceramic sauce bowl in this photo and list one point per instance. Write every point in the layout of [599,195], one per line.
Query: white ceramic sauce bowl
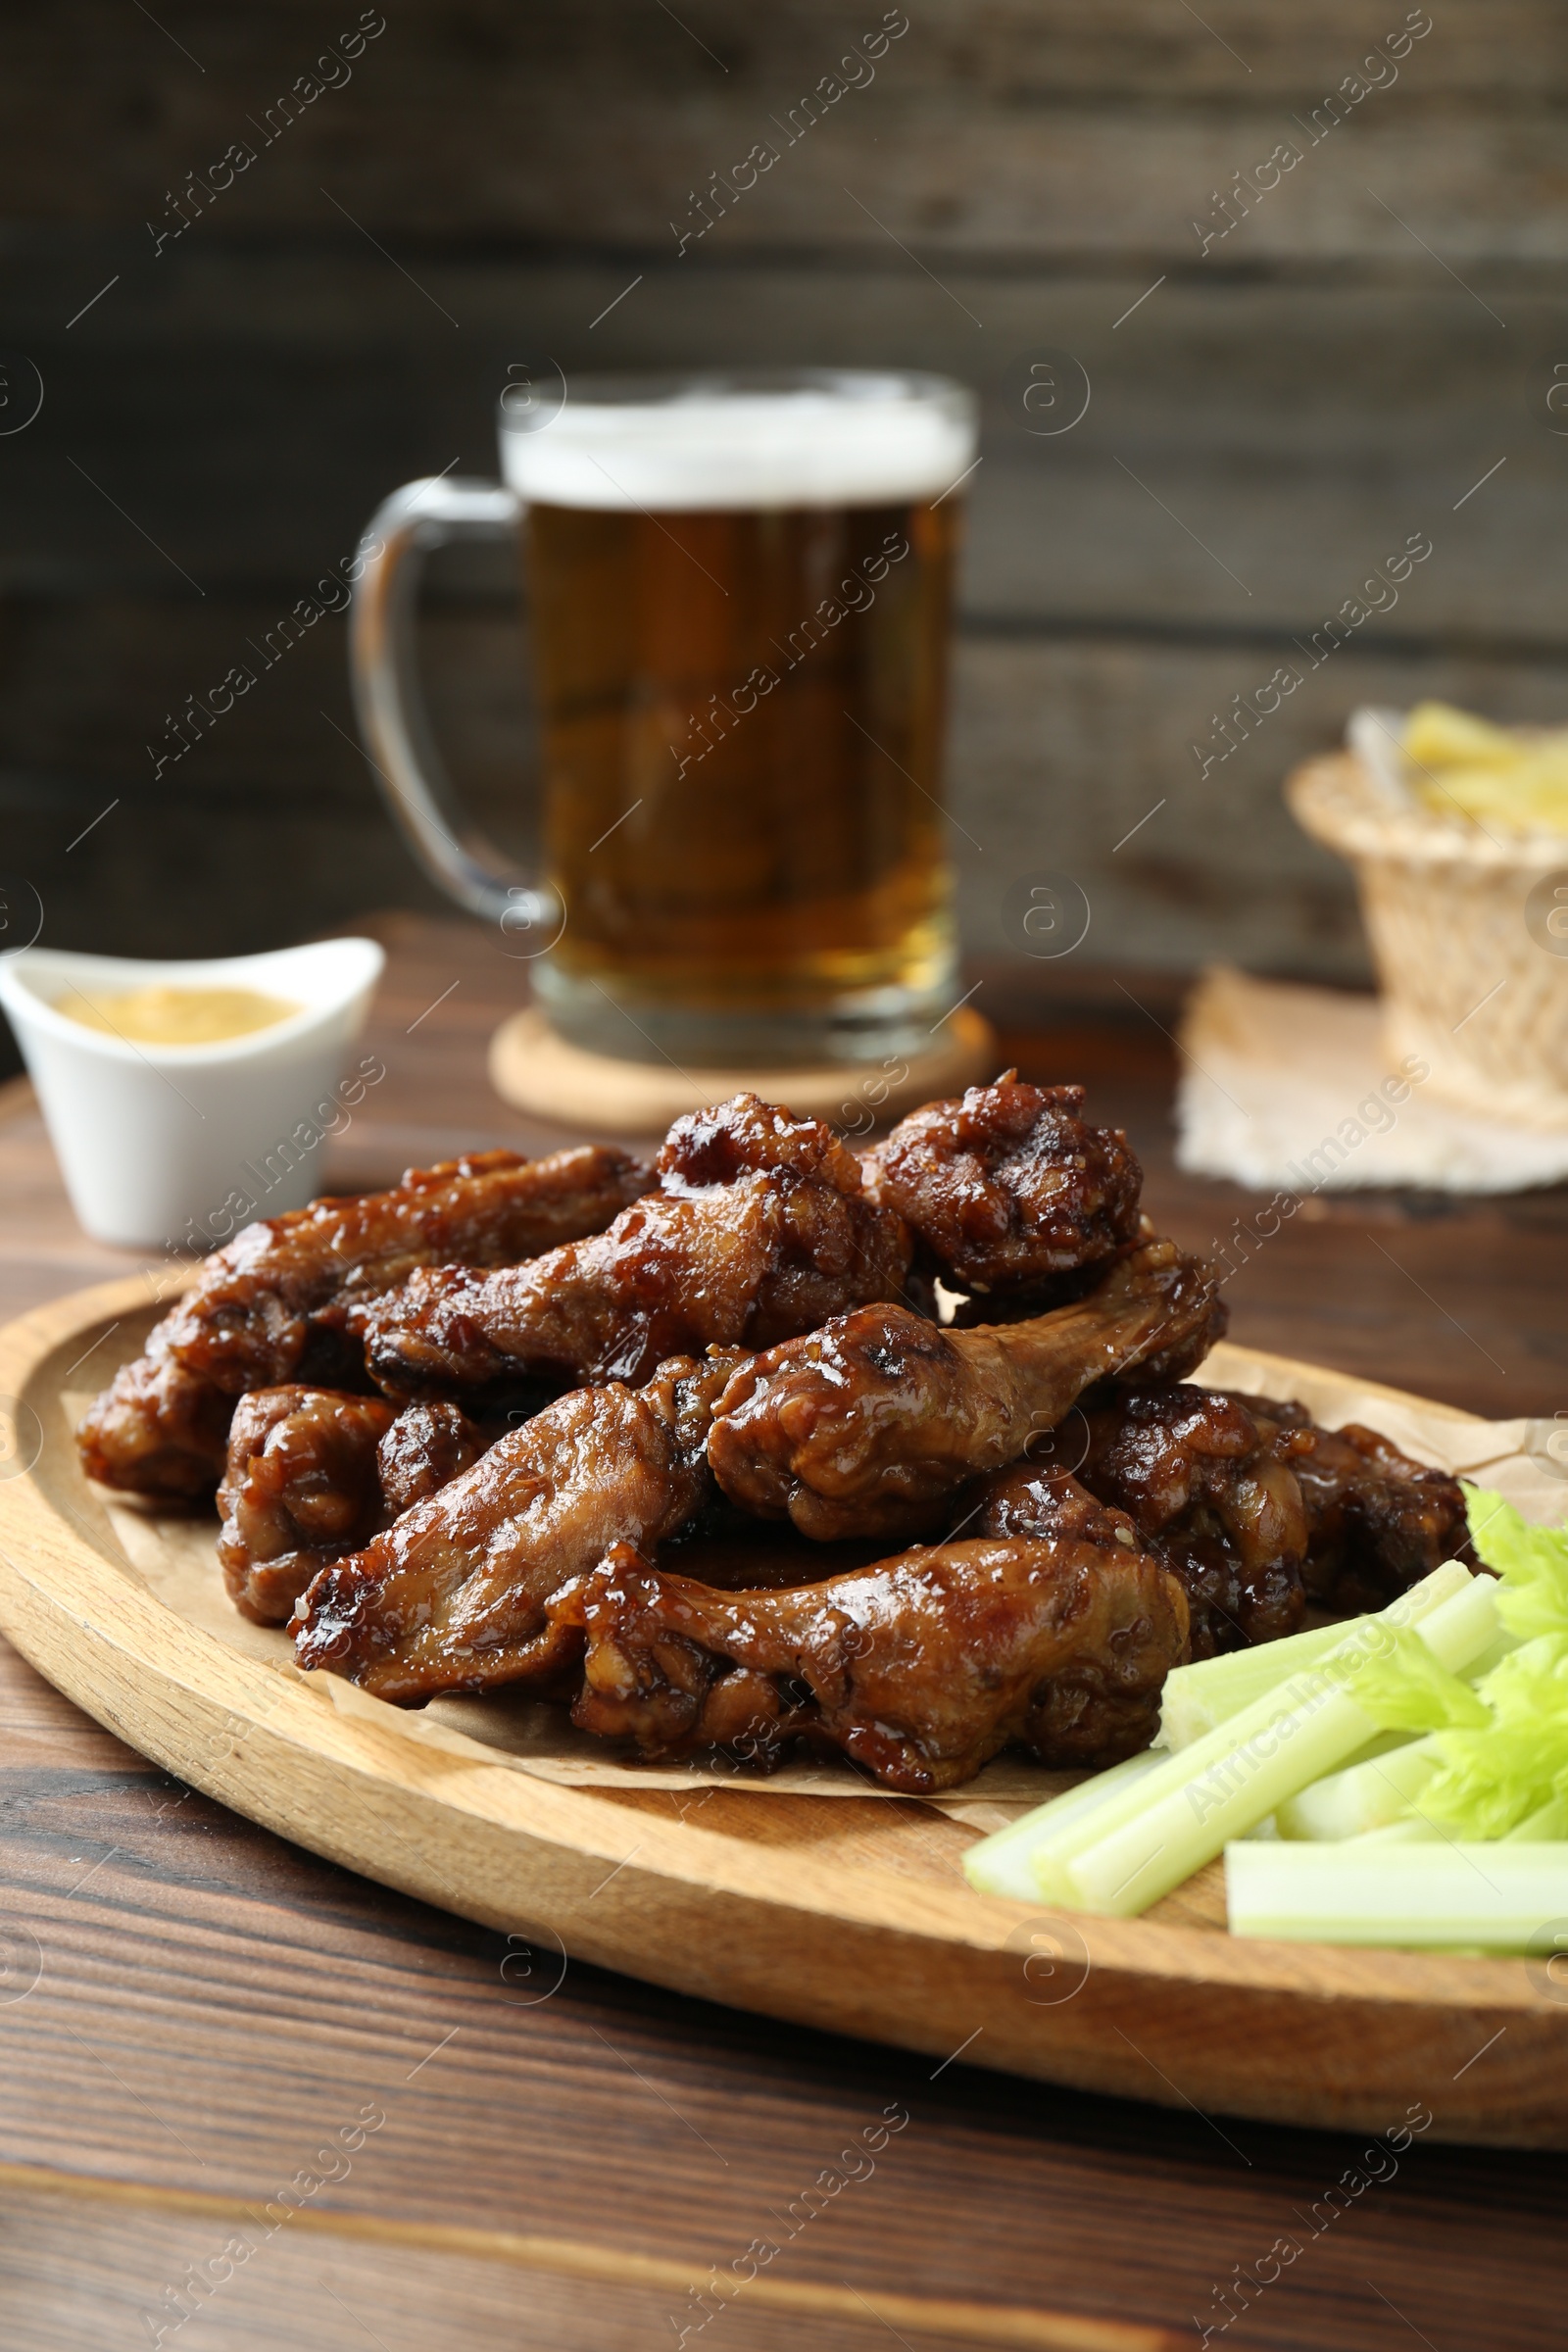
[180,1145]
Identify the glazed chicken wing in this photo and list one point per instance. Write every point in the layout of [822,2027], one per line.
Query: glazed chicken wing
[1212,1496]
[1253,1508]
[270,1307]
[298,1487]
[919,1669]
[157,1429]
[1008,1189]
[452,1597]
[425,1448]
[866,1427]
[314,1473]
[1033,1498]
[1376,1521]
[759,1230]
[1208,1494]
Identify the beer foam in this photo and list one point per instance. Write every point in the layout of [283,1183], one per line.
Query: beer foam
[857,441]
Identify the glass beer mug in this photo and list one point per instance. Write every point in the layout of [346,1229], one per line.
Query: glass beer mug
[739,590]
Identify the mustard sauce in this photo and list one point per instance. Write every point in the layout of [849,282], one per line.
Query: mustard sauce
[176,1016]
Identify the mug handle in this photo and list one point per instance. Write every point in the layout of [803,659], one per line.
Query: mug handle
[393,720]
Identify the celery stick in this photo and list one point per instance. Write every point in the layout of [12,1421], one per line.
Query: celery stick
[1493,1655]
[1210,1691]
[1367,1795]
[1002,1860]
[1199,1697]
[1056,1825]
[1432,1896]
[1162,1830]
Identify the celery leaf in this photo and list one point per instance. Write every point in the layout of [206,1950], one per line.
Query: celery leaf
[1531,1562]
[1404,1687]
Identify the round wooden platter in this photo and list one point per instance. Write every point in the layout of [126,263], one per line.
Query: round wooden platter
[841,1913]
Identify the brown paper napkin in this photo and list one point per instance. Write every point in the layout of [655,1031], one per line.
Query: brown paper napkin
[1284,1089]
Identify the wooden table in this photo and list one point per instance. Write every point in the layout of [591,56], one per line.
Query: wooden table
[562,2154]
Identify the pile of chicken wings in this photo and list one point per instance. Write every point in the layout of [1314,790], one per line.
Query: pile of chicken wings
[894,1456]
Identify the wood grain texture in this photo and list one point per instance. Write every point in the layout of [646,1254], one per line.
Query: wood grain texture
[206,1984]
[639,2291]
[1023,133]
[755,1904]
[210,1986]
[1061,745]
[1287,407]
[206,1980]
[1303,432]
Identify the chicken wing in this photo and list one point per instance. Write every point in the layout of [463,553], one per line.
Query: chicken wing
[1033,1498]
[425,1448]
[1376,1521]
[866,1426]
[1008,1189]
[452,1597]
[314,1473]
[157,1429]
[298,1487]
[759,1230]
[1208,1495]
[1252,1508]
[269,1309]
[919,1669]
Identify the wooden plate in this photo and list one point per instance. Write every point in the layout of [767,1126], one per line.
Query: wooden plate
[836,1913]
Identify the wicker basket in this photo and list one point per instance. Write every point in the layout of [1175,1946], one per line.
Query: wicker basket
[1471,978]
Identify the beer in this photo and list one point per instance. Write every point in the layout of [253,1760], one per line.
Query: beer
[739,615]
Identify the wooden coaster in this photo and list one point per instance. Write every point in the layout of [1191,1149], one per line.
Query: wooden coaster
[535,1070]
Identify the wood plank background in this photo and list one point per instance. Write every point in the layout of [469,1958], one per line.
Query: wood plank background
[1279,414]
